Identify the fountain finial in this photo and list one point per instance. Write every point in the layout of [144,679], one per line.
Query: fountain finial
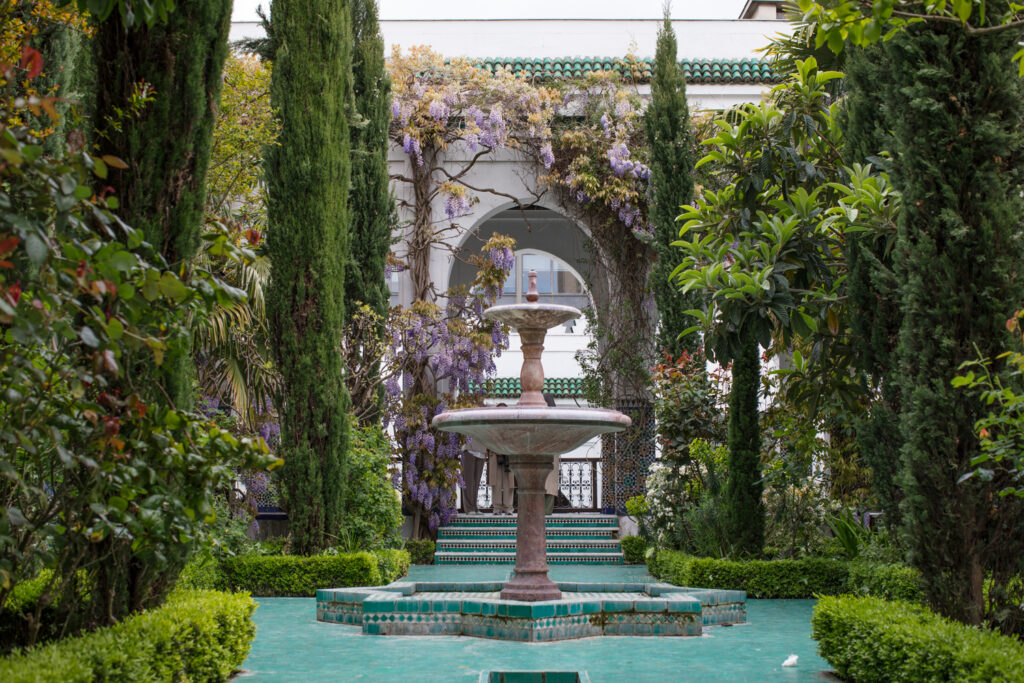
[531,293]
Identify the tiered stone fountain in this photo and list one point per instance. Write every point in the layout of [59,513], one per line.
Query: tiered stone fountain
[531,433]
[530,606]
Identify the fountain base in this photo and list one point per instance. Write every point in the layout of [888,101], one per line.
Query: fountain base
[531,586]
[478,609]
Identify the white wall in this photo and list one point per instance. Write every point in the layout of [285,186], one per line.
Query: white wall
[697,39]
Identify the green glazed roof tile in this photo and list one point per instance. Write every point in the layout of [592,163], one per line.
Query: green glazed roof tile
[710,71]
[558,387]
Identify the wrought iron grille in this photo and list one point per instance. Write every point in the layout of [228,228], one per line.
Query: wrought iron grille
[578,481]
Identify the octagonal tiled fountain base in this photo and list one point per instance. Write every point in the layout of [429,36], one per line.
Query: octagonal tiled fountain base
[476,609]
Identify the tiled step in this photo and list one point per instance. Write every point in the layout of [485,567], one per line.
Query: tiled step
[509,545]
[571,539]
[551,521]
[467,532]
[510,558]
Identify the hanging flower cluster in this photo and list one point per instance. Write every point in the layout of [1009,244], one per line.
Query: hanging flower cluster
[602,154]
[438,103]
[438,358]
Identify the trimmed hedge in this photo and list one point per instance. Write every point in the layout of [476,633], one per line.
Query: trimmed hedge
[802,578]
[294,576]
[633,549]
[195,635]
[869,639]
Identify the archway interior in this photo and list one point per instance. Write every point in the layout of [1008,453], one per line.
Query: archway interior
[547,242]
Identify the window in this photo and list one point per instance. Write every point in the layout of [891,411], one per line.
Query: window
[556,282]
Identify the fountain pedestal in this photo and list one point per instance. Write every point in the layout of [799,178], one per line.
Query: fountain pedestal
[530,582]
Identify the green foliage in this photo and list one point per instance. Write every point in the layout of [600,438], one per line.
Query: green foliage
[771,578]
[684,495]
[842,24]
[372,208]
[308,185]
[688,404]
[672,152]
[868,639]
[177,64]
[291,575]
[195,635]
[873,288]
[958,267]
[744,509]
[101,475]
[133,13]
[803,578]
[373,508]
[1001,431]
[634,549]
[392,564]
[421,550]
[885,581]
[850,534]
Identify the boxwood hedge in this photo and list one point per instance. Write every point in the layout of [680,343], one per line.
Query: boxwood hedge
[803,578]
[869,640]
[195,635]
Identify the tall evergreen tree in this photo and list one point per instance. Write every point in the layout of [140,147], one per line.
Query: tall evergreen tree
[308,185]
[873,289]
[371,207]
[166,143]
[667,121]
[744,514]
[958,163]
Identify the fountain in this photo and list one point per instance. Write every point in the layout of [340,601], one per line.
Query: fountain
[531,434]
[530,606]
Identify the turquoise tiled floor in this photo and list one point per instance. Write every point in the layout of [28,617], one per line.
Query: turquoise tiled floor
[292,646]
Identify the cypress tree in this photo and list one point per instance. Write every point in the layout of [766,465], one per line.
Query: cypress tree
[308,185]
[371,207]
[166,143]
[872,288]
[667,122]
[744,513]
[958,164]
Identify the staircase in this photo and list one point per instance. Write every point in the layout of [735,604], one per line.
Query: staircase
[491,539]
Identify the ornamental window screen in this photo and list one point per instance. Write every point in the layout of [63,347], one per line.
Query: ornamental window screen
[579,480]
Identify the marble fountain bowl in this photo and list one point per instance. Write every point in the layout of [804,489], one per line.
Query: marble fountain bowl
[407,608]
[531,430]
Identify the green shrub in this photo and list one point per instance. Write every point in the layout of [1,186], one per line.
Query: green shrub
[294,576]
[772,578]
[869,639]
[886,581]
[633,549]
[195,635]
[203,572]
[803,578]
[392,564]
[421,550]
[373,507]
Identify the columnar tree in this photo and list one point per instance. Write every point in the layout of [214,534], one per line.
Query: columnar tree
[872,285]
[958,254]
[157,88]
[955,110]
[308,185]
[667,122]
[371,208]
